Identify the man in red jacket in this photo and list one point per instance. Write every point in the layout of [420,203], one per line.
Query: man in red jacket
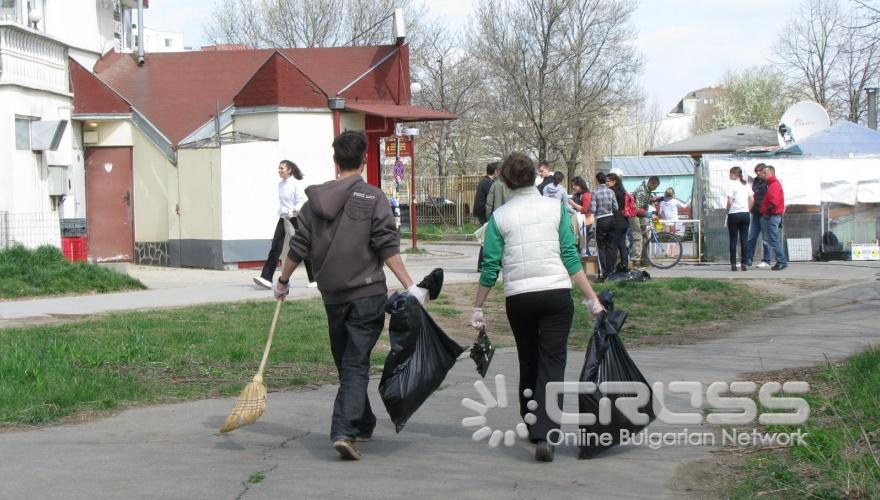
[772,208]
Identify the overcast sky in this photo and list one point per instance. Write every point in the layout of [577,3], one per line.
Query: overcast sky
[687,44]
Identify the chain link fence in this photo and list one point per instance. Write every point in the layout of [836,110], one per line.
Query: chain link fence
[30,230]
[446,200]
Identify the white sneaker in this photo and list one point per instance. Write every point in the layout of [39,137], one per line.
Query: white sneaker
[763,264]
[313,284]
[262,282]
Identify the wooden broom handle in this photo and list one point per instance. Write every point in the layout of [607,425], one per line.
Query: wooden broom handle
[271,334]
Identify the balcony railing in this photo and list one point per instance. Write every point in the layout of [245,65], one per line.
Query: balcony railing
[31,59]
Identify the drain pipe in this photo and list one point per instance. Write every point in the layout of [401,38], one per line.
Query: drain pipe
[872,107]
[140,33]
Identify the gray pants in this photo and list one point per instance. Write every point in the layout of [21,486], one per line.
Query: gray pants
[636,228]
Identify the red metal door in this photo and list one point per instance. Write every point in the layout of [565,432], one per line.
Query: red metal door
[109,216]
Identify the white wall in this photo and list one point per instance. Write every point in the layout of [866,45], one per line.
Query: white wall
[23,174]
[154,41]
[307,140]
[258,124]
[249,190]
[84,24]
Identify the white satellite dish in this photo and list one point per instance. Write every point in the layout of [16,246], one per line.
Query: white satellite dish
[800,121]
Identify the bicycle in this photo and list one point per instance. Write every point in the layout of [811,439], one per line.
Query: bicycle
[662,248]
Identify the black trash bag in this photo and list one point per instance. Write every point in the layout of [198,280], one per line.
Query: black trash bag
[607,361]
[630,275]
[421,355]
[482,352]
[433,282]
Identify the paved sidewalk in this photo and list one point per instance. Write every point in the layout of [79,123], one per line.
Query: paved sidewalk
[175,287]
[172,451]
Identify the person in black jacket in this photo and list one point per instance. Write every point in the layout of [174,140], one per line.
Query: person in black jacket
[759,188]
[483,188]
[621,223]
[546,175]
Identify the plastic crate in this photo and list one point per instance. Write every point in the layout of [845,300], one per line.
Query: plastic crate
[75,249]
[800,249]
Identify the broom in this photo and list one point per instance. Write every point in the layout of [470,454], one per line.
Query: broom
[252,400]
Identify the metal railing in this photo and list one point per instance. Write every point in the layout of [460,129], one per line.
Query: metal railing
[444,200]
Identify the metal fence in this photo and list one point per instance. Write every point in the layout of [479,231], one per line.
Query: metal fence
[444,200]
[30,230]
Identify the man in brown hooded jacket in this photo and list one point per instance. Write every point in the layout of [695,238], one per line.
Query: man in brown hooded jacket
[347,229]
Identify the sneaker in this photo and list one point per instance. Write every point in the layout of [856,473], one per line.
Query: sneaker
[543,451]
[263,282]
[346,449]
[313,284]
[764,264]
[779,267]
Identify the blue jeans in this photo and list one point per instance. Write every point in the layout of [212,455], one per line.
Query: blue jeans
[756,227]
[770,225]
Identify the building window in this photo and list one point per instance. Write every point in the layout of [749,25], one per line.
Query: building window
[22,134]
[168,42]
[8,10]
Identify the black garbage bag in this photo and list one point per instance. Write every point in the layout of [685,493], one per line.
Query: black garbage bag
[421,355]
[630,275]
[482,352]
[433,282]
[607,361]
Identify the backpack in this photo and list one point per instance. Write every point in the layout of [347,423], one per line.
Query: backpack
[629,206]
[830,243]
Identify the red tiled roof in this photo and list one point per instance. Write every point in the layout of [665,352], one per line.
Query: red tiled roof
[177,91]
[99,99]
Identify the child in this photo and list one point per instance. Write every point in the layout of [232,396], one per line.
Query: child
[669,206]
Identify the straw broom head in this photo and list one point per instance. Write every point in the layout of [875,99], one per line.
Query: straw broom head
[251,402]
[250,405]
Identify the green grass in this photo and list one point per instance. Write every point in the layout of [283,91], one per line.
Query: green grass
[256,478]
[844,427]
[667,305]
[435,232]
[44,271]
[50,372]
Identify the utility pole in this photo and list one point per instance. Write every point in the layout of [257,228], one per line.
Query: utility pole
[441,164]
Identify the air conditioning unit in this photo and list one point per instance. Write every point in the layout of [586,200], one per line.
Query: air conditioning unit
[58,180]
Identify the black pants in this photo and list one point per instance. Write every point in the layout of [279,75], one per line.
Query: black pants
[307,262]
[605,245]
[274,252]
[738,229]
[480,258]
[621,245]
[354,329]
[540,322]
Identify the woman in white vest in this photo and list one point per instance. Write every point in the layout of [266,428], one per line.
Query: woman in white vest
[532,236]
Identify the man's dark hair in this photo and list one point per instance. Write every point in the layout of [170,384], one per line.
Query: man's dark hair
[544,163]
[654,180]
[558,177]
[294,170]
[491,168]
[518,171]
[760,166]
[349,149]
[600,178]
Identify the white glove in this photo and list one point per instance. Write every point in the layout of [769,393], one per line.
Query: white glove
[477,320]
[281,289]
[421,294]
[594,306]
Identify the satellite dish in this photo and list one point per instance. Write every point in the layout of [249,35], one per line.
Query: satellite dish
[800,121]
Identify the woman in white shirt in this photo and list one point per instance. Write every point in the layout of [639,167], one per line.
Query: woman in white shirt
[291,198]
[739,203]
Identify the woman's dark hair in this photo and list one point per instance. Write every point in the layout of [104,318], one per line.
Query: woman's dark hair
[558,177]
[349,149]
[738,172]
[518,171]
[600,178]
[581,183]
[294,170]
[618,186]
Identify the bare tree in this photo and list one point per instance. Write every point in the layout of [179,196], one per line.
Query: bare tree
[857,66]
[561,63]
[809,49]
[306,23]
[450,82]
